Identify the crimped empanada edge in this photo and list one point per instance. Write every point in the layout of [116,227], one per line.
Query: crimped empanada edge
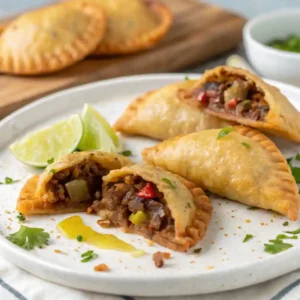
[280,166]
[146,41]
[43,63]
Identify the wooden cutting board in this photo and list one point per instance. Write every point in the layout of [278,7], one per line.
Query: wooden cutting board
[200,32]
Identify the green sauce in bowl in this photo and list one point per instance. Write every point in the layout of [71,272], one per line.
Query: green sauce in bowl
[291,43]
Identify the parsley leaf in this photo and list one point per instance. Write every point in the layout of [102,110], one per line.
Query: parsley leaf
[126,153]
[297,231]
[186,78]
[286,223]
[295,170]
[169,182]
[9,180]
[246,145]
[79,238]
[88,255]
[247,238]
[29,237]
[52,171]
[197,250]
[284,236]
[50,161]
[224,131]
[21,217]
[277,246]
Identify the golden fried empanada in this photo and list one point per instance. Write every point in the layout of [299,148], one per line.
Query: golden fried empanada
[240,96]
[132,25]
[69,185]
[50,39]
[161,115]
[156,204]
[243,165]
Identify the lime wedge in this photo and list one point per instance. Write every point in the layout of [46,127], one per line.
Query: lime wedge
[97,133]
[49,144]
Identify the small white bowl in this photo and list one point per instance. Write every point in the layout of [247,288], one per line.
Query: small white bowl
[269,62]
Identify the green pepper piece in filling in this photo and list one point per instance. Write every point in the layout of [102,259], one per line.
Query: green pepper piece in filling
[138,218]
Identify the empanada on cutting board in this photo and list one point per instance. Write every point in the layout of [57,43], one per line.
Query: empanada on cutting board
[132,25]
[237,95]
[161,115]
[50,39]
[243,165]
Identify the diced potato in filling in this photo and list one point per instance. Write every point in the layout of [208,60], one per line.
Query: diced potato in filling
[80,183]
[233,95]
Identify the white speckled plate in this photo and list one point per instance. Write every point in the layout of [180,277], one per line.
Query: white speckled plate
[224,263]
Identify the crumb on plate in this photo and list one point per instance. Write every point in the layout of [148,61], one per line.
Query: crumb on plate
[104,223]
[101,268]
[158,258]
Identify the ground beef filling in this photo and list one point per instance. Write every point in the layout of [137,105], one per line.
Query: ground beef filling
[89,171]
[127,199]
[236,96]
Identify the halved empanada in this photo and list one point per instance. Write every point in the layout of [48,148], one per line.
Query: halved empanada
[132,25]
[161,115]
[71,184]
[51,38]
[156,204]
[244,166]
[240,96]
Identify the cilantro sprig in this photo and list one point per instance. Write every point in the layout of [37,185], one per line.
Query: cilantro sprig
[29,237]
[169,182]
[88,255]
[224,132]
[247,238]
[21,217]
[277,246]
[295,170]
[8,180]
[297,231]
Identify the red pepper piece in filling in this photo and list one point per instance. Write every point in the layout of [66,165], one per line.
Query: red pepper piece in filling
[202,98]
[232,103]
[147,192]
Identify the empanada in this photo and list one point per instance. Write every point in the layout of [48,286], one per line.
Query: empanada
[132,25]
[240,96]
[161,115]
[69,185]
[50,39]
[244,166]
[156,204]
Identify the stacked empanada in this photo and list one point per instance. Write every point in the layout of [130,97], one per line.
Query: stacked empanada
[56,37]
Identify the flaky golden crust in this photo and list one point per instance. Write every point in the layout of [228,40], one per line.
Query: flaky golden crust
[282,119]
[142,41]
[161,115]
[244,166]
[189,206]
[50,39]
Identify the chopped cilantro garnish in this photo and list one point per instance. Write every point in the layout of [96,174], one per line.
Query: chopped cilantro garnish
[247,238]
[52,171]
[297,231]
[50,161]
[21,217]
[224,131]
[29,237]
[79,238]
[88,255]
[286,223]
[9,180]
[197,250]
[284,236]
[277,246]
[252,208]
[169,182]
[246,145]
[186,78]
[298,156]
[126,153]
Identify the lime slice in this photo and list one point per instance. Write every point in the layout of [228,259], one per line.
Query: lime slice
[97,133]
[38,148]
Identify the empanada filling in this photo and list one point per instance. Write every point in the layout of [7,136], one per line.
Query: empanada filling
[235,96]
[80,183]
[137,205]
